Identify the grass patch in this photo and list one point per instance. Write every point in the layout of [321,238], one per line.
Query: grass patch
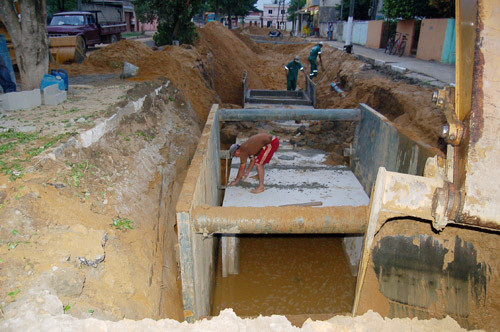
[122,223]
[17,149]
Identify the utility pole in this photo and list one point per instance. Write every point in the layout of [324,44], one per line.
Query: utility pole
[297,25]
[348,44]
[280,2]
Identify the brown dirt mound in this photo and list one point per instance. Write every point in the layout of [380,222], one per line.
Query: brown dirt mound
[231,57]
[115,54]
[255,30]
[182,65]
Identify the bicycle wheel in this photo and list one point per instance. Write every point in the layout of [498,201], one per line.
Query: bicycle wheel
[394,47]
[388,47]
[401,50]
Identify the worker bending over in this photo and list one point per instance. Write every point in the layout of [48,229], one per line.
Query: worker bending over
[260,149]
[292,71]
[316,50]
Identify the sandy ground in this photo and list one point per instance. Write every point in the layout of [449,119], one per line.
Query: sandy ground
[63,215]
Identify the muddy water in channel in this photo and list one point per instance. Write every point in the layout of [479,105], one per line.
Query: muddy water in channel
[287,275]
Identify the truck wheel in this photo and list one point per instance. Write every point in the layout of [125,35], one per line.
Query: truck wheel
[114,39]
[80,49]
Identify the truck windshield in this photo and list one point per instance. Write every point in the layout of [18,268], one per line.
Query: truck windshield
[67,20]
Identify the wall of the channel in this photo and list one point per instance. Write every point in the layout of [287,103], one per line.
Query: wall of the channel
[377,143]
[197,251]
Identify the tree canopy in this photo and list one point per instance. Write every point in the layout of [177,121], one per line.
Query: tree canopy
[408,9]
[173,17]
[292,8]
[361,9]
[56,6]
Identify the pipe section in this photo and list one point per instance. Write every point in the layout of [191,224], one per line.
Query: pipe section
[285,220]
[255,114]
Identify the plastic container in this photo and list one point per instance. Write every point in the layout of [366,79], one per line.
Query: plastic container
[48,80]
[4,53]
[63,74]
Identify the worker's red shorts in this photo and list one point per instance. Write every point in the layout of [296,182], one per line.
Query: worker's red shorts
[267,152]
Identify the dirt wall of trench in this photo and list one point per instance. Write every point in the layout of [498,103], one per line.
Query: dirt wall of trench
[67,221]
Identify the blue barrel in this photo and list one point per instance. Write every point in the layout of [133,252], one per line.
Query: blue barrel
[63,74]
[49,80]
[4,53]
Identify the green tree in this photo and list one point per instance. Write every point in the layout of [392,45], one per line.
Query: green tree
[173,17]
[408,9]
[361,9]
[292,8]
[236,7]
[56,6]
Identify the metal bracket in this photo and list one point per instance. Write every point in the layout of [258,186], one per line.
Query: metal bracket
[445,98]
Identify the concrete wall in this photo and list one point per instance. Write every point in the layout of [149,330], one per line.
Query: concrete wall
[431,39]
[374,34]
[197,252]
[359,32]
[377,143]
[407,26]
[437,40]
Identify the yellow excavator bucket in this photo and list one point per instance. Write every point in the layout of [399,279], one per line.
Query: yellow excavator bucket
[67,49]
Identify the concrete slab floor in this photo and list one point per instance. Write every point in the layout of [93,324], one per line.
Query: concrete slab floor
[296,176]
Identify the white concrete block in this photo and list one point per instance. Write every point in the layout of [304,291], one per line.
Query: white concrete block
[399,69]
[20,100]
[53,96]
[379,63]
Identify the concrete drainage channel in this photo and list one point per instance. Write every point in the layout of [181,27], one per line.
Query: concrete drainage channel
[398,175]
[200,214]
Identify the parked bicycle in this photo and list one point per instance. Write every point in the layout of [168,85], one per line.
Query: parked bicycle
[390,45]
[400,44]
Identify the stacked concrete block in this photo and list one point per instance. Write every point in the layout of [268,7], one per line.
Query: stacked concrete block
[53,96]
[20,100]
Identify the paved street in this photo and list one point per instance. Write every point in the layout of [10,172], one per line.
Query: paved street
[418,69]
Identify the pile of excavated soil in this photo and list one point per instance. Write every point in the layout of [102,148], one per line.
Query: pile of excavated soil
[231,57]
[184,66]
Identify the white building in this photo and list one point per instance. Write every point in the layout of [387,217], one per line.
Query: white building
[274,13]
[254,19]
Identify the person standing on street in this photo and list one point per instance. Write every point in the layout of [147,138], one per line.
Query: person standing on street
[292,71]
[260,149]
[315,52]
[330,30]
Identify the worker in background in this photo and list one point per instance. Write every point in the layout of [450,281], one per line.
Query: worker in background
[316,50]
[292,71]
[5,80]
[260,149]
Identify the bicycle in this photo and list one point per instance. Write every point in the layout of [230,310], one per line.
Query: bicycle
[400,45]
[390,45]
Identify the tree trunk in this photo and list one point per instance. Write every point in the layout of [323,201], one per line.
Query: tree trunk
[230,21]
[29,38]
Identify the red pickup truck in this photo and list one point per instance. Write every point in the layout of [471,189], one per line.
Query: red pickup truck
[86,25]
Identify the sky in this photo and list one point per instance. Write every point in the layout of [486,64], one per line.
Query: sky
[260,3]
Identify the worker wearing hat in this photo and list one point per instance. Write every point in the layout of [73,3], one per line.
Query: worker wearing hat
[292,71]
[260,149]
[316,50]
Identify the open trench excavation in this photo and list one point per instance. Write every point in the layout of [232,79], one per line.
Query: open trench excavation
[75,254]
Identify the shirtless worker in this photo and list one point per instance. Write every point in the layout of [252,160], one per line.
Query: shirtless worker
[260,149]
